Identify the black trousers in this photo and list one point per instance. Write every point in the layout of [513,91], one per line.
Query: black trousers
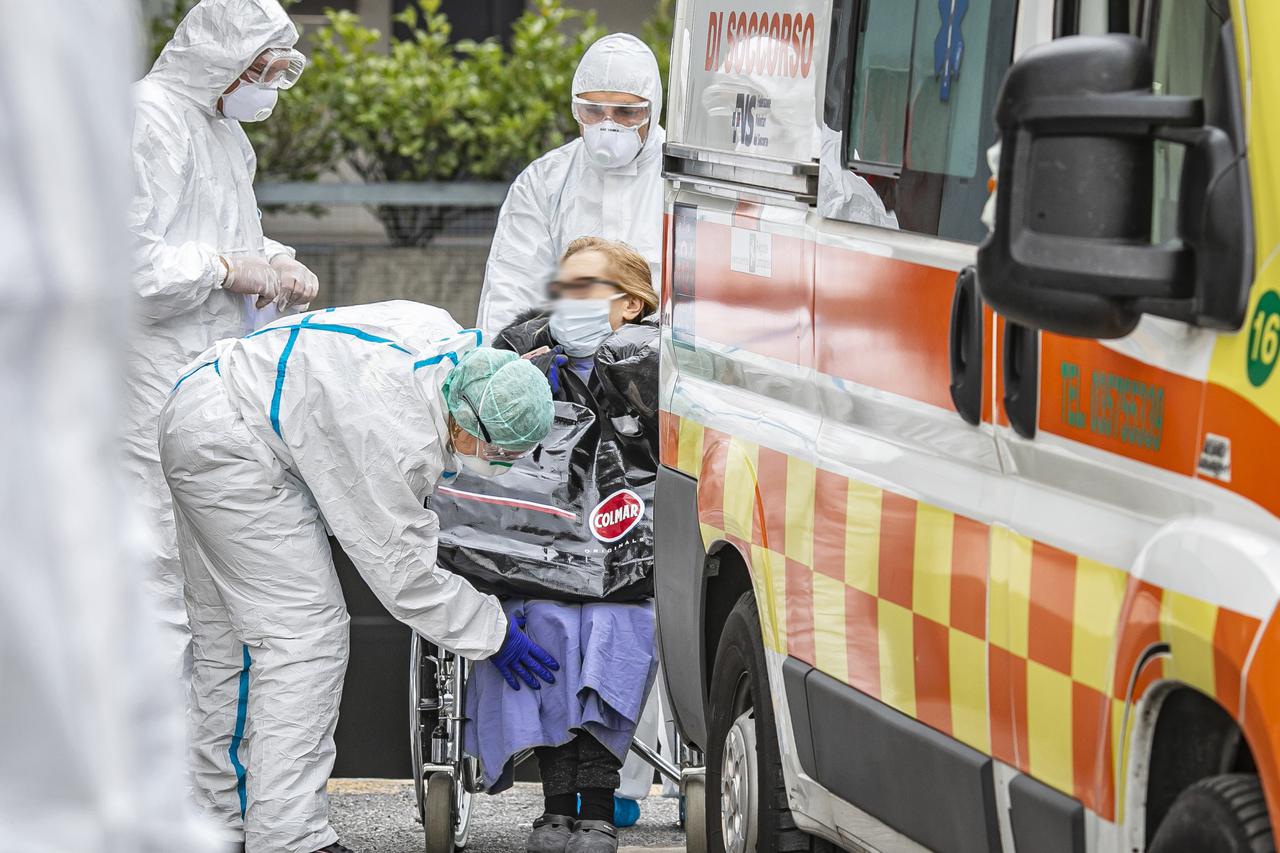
[582,763]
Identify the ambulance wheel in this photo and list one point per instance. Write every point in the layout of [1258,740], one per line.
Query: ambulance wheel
[1221,814]
[694,808]
[746,802]
[438,809]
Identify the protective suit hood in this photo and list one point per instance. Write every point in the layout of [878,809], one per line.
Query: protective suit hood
[566,194]
[623,63]
[216,42]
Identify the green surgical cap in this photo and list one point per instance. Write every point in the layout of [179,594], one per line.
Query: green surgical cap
[509,395]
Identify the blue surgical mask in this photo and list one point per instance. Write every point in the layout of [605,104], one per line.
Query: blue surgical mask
[580,326]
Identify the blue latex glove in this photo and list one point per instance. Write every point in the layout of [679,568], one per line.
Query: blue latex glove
[521,656]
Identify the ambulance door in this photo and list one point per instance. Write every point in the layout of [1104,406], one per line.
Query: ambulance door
[739,402]
[910,479]
[1100,401]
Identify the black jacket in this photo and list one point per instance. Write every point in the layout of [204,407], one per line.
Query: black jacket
[623,385]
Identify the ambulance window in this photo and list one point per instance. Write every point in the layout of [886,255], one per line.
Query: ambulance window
[924,87]
[1184,45]
[1095,17]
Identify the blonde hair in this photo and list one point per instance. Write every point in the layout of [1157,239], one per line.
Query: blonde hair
[626,265]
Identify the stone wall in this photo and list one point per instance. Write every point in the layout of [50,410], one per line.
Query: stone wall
[448,274]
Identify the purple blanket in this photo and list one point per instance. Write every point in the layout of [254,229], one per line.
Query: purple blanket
[607,665]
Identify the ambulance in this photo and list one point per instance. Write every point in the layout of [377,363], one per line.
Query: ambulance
[967,533]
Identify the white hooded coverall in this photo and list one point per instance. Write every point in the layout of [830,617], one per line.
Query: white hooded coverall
[91,725]
[564,195]
[193,201]
[334,417]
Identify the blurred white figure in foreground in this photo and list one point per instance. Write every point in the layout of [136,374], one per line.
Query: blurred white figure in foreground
[91,731]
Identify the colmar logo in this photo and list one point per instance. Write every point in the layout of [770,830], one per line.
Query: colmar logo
[614,517]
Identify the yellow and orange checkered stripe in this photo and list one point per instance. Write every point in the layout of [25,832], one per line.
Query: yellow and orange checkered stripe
[1020,650]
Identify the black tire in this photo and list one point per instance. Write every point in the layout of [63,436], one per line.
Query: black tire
[1221,814]
[439,807]
[739,683]
[695,814]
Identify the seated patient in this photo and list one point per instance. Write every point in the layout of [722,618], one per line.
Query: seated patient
[581,726]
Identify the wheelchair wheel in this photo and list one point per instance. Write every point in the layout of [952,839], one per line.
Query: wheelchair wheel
[444,777]
[462,800]
[438,813]
[422,713]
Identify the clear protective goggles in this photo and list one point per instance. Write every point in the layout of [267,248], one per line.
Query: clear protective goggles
[485,448]
[490,453]
[593,112]
[276,68]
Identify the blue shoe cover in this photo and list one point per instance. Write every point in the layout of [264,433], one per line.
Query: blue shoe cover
[625,812]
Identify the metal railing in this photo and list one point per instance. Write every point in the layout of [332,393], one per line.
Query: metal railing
[472,194]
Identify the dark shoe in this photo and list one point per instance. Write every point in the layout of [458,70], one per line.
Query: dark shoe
[335,847]
[593,836]
[551,834]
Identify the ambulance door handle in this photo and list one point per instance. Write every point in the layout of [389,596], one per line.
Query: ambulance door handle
[1021,362]
[966,347]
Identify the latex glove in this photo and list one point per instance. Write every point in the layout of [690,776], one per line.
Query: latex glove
[252,277]
[521,656]
[298,285]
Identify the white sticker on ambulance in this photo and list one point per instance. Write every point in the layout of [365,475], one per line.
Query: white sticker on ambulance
[751,252]
[755,71]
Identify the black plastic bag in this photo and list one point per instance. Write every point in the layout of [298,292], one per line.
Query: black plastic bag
[572,521]
[627,369]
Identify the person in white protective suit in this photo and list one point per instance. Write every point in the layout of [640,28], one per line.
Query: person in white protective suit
[345,419]
[606,183]
[202,267]
[91,728]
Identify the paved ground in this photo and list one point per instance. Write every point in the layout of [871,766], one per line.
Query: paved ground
[377,816]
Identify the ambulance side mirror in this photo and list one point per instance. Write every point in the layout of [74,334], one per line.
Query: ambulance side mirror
[1072,250]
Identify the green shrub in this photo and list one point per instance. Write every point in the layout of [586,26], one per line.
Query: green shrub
[658,32]
[433,110]
[520,101]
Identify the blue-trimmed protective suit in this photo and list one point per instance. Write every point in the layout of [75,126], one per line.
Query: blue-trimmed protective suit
[331,419]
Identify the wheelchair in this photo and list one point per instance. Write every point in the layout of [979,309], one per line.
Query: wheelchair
[446,780]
